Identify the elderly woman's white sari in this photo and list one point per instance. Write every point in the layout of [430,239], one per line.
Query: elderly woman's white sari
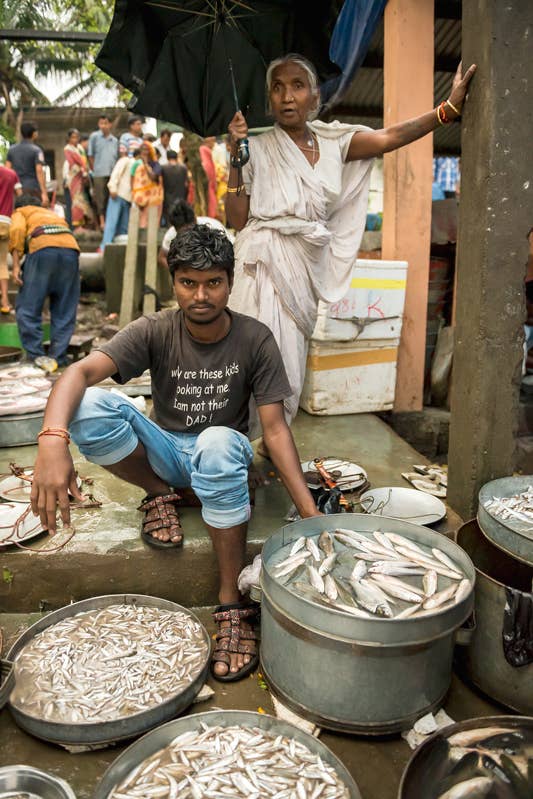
[302,236]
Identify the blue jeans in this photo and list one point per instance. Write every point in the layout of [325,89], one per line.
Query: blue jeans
[52,272]
[117,217]
[214,463]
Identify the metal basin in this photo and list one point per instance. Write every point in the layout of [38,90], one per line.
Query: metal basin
[483,660]
[107,731]
[26,779]
[428,763]
[19,430]
[369,676]
[158,739]
[512,536]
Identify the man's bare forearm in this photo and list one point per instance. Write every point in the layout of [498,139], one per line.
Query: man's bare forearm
[65,398]
[285,458]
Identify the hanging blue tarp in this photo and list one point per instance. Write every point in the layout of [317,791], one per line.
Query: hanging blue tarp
[349,44]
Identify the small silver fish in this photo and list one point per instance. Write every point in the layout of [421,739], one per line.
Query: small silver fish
[315,579]
[327,564]
[404,542]
[443,557]
[396,568]
[325,542]
[359,570]
[394,590]
[463,589]
[330,587]
[313,549]
[474,788]
[369,599]
[429,582]
[298,545]
[440,598]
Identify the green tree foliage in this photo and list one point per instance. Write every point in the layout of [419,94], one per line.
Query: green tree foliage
[21,60]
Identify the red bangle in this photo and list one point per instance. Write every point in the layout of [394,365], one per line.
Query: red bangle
[444,119]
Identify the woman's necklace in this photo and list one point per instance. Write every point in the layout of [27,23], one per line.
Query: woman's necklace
[310,148]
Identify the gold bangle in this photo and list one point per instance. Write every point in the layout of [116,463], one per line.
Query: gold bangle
[453,108]
[232,190]
[438,116]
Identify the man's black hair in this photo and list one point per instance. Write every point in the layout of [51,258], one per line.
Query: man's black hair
[27,129]
[201,247]
[171,155]
[105,116]
[165,132]
[27,199]
[83,137]
[134,118]
[181,214]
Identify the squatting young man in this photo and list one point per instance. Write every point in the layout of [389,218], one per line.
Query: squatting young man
[205,362]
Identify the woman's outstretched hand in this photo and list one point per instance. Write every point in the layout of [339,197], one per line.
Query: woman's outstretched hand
[460,86]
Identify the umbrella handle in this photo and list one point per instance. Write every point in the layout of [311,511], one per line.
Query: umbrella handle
[243,155]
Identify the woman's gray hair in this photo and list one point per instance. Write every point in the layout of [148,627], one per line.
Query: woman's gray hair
[308,68]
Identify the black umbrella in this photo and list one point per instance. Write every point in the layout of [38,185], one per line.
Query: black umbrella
[177,56]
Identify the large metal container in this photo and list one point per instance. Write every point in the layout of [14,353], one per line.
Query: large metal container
[107,731]
[512,535]
[369,676]
[157,739]
[29,780]
[483,660]
[19,430]
[430,760]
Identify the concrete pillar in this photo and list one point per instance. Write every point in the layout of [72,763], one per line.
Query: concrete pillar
[495,214]
[408,92]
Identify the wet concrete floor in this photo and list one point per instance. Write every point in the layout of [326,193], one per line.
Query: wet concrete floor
[376,764]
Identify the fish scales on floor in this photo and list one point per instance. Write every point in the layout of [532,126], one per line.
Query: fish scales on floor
[366,575]
[102,665]
[222,762]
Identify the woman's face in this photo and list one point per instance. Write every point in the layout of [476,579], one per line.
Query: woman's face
[74,138]
[291,98]
[145,151]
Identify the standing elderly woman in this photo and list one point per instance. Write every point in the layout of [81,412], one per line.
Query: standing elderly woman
[302,207]
[77,181]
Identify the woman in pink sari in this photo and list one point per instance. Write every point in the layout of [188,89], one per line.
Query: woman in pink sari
[76,181]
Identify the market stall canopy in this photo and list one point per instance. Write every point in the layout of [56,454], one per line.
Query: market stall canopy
[174,55]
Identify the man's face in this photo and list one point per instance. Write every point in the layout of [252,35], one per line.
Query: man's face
[202,294]
[165,139]
[105,126]
[136,128]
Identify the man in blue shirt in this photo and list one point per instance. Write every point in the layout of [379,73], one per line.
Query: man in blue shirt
[133,138]
[27,159]
[103,155]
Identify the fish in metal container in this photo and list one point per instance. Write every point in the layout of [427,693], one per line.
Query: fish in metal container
[233,762]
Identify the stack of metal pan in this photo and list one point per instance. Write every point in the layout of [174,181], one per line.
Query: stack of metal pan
[130,724]
[502,552]
[364,675]
[31,782]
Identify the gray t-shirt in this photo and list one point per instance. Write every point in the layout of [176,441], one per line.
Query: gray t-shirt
[197,385]
[24,157]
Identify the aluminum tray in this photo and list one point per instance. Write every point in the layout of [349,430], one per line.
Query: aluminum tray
[513,536]
[107,731]
[26,779]
[157,739]
[19,430]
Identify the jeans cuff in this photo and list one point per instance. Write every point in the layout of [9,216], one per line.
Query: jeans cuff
[222,519]
[110,458]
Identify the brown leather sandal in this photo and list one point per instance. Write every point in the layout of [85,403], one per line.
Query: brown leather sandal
[235,640]
[161,514]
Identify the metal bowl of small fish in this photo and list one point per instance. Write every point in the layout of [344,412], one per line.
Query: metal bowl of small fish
[505,515]
[232,753]
[359,618]
[107,669]
[26,782]
[488,757]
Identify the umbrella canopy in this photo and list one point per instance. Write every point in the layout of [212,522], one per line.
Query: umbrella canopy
[174,55]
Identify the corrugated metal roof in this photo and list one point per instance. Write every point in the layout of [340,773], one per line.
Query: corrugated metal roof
[363,102]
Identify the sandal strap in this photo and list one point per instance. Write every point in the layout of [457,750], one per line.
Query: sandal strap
[235,647]
[221,657]
[158,501]
[234,615]
[161,514]
[243,634]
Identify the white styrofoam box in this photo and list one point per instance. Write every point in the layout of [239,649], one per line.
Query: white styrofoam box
[350,377]
[373,307]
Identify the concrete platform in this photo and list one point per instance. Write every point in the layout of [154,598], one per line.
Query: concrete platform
[107,555]
[375,763]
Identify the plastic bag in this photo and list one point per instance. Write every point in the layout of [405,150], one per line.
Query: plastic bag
[517,633]
[249,575]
